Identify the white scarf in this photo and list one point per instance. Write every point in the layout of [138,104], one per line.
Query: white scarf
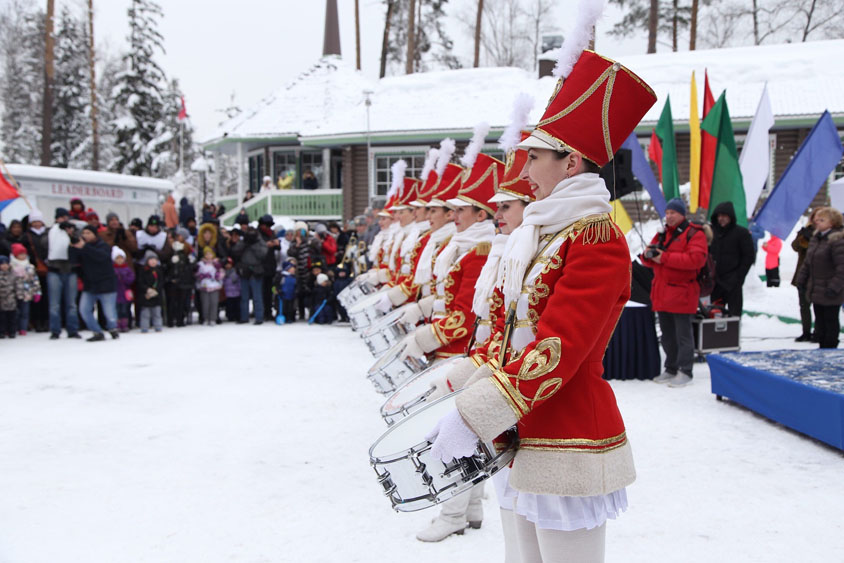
[460,244]
[397,243]
[572,199]
[413,236]
[388,239]
[38,230]
[425,269]
[489,277]
[377,242]
[19,267]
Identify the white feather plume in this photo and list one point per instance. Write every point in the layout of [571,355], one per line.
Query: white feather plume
[588,14]
[430,162]
[398,168]
[512,135]
[447,148]
[475,145]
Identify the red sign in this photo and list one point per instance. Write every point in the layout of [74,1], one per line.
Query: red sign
[87,191]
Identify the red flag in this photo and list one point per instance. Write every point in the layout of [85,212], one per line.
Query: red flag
[655,152]
[8,192]
[708,147]
[183,113]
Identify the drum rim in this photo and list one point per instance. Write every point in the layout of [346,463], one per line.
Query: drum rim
[398,389]
[394,428]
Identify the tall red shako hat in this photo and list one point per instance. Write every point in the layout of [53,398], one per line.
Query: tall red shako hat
[481,176]
[428,179]
[432,184]
[408,194]
[512,187]
[449,175]
[597,102]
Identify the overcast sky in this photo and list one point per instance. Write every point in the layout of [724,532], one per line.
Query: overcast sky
[252,47]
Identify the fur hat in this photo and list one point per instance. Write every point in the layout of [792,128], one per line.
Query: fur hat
[116,252]
[35,215]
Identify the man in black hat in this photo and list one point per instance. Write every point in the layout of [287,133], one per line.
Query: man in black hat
[61,277]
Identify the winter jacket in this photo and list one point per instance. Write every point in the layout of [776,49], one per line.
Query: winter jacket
[241,218]
[266,234]
[304,253]
[97,269]
[822,273]
[8,297]
[231,283]
[800,245]
[186,211]
[772,248]
[37,246]
[674,288]
[9,239]
[216,243]
[287,287]
[329,250]
[180,269]
[122,238]
[27,285]
[149,279]
[125,278]
[209,276]
[157,243]
[251,251]
[319,295]
[78,214]
[58,245]
[732,249]
[171,217]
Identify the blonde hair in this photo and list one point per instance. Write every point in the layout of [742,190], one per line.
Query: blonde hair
[830,214]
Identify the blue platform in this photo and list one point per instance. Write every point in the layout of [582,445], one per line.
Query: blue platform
[801,389]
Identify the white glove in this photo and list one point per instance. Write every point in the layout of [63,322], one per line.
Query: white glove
[410,348]
[412,314]
[440,389]
[452,438]
[426,305]
[370,277]
[384,305]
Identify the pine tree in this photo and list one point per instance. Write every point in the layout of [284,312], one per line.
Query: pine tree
[22,87]
[166,144]
[137,99]
[71,119]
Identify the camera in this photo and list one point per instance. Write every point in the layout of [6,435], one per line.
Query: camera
[652,251]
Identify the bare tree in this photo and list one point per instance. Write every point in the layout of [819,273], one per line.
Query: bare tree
[49,81]
[357,33]
[478,26]
[653,25]
[693,26]
[538,14]
[411,38]
[385,42]
[95,133]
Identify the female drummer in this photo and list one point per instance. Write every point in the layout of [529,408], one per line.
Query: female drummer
[565,283]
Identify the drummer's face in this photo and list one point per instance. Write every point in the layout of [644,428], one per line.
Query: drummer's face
[420,214]
[439,216]
[544,170]
[509,215]
[405,216]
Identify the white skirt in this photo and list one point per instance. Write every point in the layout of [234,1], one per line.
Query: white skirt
[552,512]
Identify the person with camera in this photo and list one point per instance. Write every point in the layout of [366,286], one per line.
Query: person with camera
[61,276]
[99,279]
[676,255]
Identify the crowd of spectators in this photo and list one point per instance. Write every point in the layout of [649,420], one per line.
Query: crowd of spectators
[168,271]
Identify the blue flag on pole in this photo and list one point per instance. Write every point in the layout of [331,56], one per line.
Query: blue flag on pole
[806,173]
[642,171]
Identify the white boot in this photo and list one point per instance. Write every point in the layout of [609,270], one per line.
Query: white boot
[664,377]
[680,380]
[475,510]
[440,529]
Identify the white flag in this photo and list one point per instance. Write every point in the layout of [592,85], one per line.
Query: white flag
[755,159]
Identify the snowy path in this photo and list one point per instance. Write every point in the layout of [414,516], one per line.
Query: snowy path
[243,443]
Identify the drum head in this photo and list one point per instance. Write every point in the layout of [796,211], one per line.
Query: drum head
[389,356]
[409,433]
[366,302]
[389,319]
[417,385]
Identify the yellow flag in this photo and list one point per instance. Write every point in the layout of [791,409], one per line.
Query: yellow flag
[694,144]
[620,216]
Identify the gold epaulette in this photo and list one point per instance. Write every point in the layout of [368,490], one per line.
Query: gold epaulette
[483,249]
[595,229]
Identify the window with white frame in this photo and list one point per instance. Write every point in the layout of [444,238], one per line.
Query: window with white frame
[284,169]
[383,162]
[312,160]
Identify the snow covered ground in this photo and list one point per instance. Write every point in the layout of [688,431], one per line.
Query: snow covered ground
[249,444]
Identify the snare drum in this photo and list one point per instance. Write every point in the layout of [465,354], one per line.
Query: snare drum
[413,479]
[390,370]
[354,292]
[413,394]
[386,332]
[364,312]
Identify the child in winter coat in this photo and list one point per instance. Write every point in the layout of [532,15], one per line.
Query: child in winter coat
[322,298]
[27,286]
[231,290]
[209,281]
[180,283]
[8,299]
[341,282]
[149,292]
[125,278]
[287,291]
[772,248]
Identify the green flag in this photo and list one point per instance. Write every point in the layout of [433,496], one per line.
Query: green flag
[665,132]
[727,184]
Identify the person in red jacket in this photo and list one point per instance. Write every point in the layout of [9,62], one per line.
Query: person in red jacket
[676,255]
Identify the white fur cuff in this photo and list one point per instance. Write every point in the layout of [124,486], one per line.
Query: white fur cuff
[383,275]
[426,339]
[397,296]
[485,409]
[460,373]
[480,373]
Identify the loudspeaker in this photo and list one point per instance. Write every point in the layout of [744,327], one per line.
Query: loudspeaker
[623,177]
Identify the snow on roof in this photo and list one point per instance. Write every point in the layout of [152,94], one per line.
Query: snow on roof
[328,100]
[87,176]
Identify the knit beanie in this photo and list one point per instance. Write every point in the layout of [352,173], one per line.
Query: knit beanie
[90,228]
[35,215]
[676,204]
[111,215]
[4,259]
[61,212]
[149,254]
[321,279]
[18,248]
[115,252]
